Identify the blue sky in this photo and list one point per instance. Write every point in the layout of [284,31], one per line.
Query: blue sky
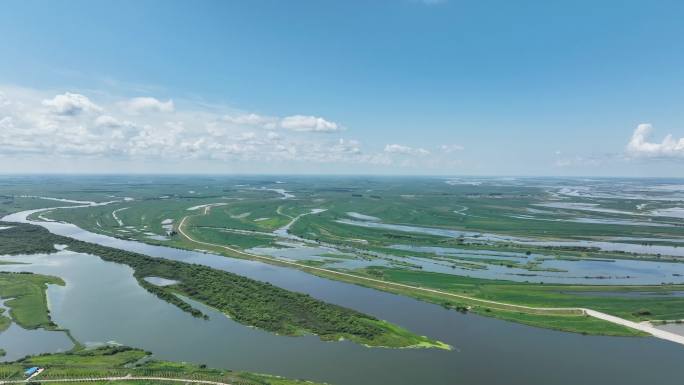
[396,86]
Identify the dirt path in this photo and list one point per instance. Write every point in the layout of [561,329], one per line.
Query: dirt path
[284,231]
[647,328]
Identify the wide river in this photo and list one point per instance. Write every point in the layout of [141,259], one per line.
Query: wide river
[102,302]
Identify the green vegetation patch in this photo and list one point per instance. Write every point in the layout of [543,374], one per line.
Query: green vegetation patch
[224,237]
[19,239]
[122,361]
[103,357]
[572,323]
[25,296]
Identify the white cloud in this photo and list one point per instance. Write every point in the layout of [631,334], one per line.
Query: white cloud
[405,150]
[132,129]
[346,147]
[106,121]
[307,123]
[6,123]
[267,122]
[640,146]
[146,104]
[299,123]
[251,120]
[71,127]
[3,100]
[449,148]
[70,104]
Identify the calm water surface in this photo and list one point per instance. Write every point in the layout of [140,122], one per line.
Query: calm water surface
[583,271]
[19,342]
[488,238]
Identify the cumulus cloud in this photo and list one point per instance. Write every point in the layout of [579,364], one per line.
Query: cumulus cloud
[106,121]
[346,146]
[252,120]
[70,104]
[405,150]
[147,104]
[307,123]
[72,126]
[299,123]
[640,146]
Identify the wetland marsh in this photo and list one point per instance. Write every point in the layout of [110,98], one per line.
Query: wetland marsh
[313,227]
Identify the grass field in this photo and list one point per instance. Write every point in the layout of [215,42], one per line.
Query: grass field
[24,295]
[119,361]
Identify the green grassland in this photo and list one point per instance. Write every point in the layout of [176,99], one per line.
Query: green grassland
[11,204]
[24,295]
[145,216]
[121,361]
[324,227]
[427,202]
[242,214]
[227,238]
[489,209]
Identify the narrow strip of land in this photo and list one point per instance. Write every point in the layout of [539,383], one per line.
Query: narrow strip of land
[652,330]
[125,378]
[662,334]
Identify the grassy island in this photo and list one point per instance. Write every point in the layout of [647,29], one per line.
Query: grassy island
[24,295]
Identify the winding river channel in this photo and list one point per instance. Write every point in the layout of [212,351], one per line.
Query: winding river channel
[102,302]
